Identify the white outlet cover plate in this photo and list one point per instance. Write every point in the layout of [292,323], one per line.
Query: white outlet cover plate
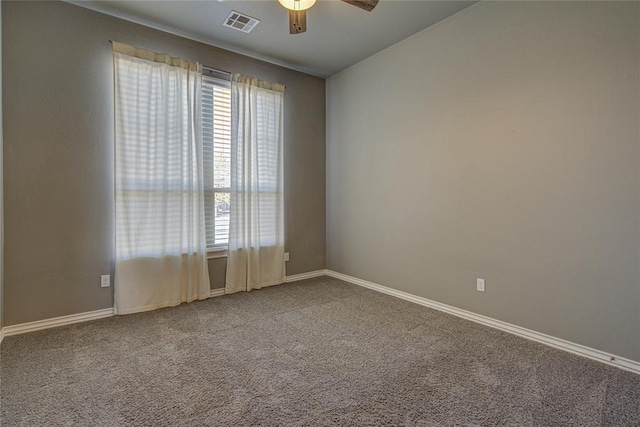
[105,281]
[480,285]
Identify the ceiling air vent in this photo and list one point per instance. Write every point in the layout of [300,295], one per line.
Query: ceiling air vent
[238,21]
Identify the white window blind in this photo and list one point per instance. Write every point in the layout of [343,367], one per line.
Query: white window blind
[216,138]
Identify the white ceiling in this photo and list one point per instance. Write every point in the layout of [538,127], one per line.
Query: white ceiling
[338,34]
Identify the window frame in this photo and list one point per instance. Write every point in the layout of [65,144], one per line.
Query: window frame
[217,250]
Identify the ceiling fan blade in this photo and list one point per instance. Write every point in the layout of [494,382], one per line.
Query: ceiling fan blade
[367,5]
[297,21]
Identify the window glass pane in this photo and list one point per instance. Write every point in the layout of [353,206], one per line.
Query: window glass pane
[222,218]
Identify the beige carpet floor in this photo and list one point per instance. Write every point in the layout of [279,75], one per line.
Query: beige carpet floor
[317,352]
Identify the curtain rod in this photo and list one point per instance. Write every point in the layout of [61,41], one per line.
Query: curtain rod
[204,67]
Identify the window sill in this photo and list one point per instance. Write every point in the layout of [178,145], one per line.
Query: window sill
[214,253]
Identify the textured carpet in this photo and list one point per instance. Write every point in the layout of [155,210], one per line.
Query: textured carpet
[318,352]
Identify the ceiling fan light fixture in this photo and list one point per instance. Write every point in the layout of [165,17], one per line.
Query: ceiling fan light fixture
[297,4]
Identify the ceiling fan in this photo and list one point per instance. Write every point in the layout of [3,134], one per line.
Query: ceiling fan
[298,11]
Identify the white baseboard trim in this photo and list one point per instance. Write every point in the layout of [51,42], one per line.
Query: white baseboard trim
[580,350]
[303,276]
[217,292]
[38,325]
[601,356]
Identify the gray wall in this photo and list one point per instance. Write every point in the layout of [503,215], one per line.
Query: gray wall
[501,143]
[58,168]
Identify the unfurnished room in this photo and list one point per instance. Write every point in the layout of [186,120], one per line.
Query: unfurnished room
[331,212]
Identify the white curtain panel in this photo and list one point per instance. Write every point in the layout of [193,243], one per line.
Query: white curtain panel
[256,227]
[160,236]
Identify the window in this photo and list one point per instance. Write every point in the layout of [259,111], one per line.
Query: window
[216,139]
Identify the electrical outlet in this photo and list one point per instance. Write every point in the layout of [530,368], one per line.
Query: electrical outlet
[480,285]
[286,256]
[105,280]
